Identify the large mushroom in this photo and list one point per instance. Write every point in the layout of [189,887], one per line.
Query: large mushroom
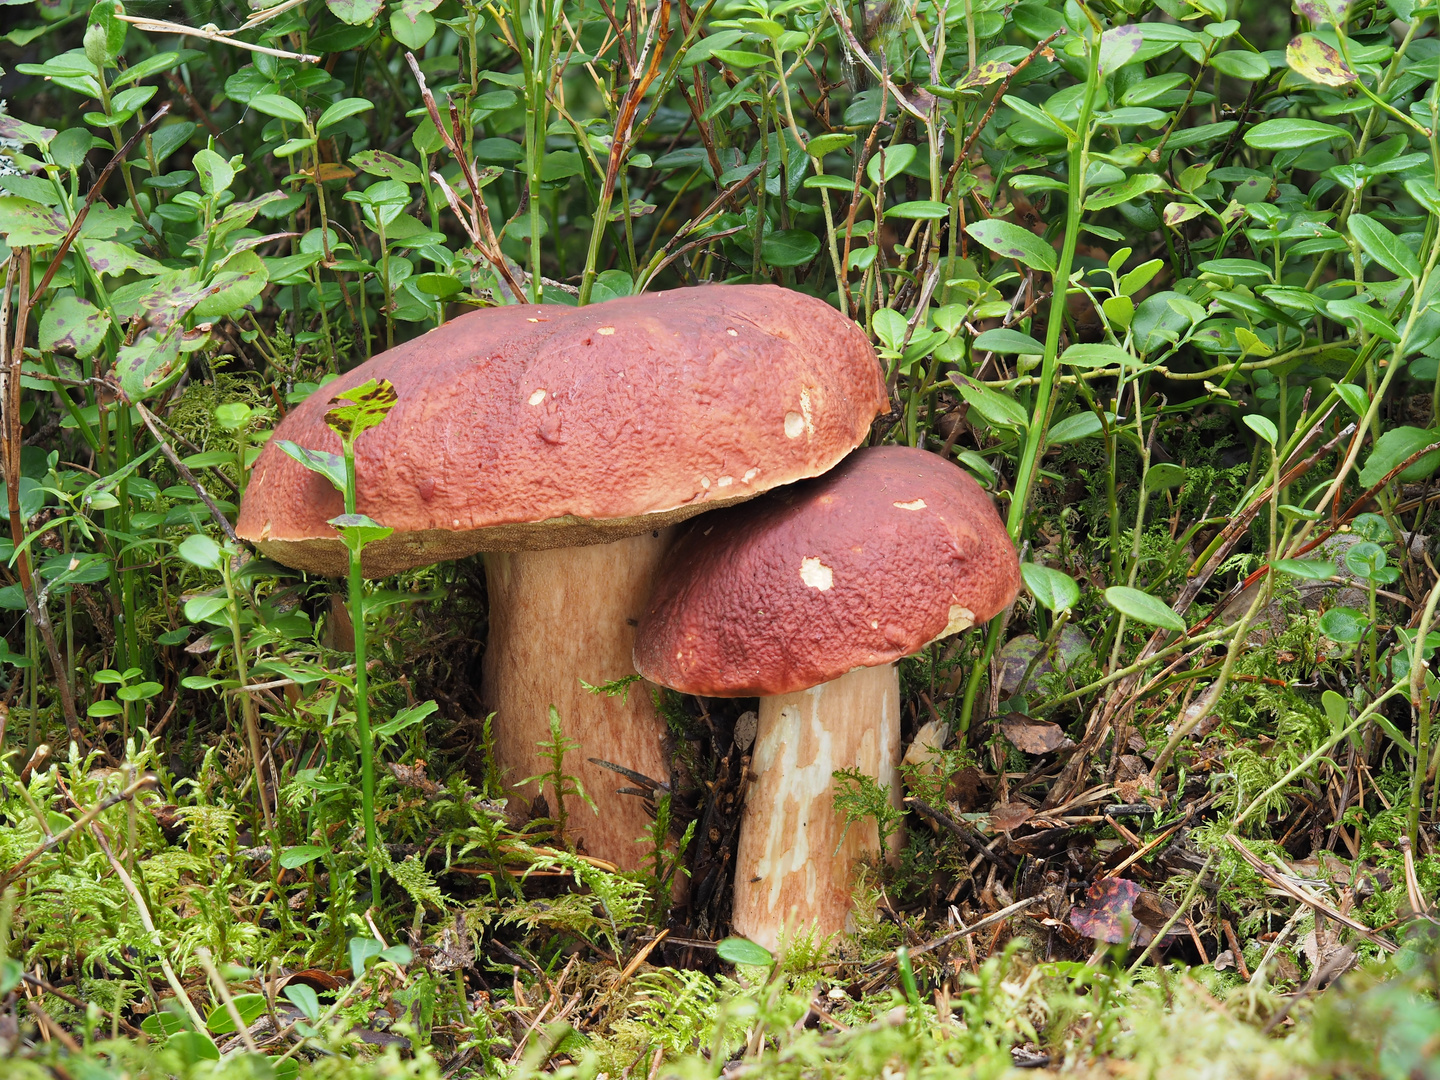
[806,598]
[564,443]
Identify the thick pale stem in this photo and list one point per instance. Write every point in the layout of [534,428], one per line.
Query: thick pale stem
[557,617]
[796,861]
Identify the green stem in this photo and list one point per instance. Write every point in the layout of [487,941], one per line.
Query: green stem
[362,696]
[1040,416]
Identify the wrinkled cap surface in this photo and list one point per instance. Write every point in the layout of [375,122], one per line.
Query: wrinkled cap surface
[532,427]
[890,550]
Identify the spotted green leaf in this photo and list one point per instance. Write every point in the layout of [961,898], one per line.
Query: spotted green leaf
[73,325]
[1010,241]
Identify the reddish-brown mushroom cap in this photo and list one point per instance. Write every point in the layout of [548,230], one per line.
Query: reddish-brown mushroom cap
[893,548]
[533,427]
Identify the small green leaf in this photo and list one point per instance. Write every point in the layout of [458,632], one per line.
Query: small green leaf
[357,530]
[305,999]
[1119,47]
[1344,625]
[1397,445]
[1098,355]
[355,12]
[215,172]
[739,950]
[201,609]
[295,857]
[993,407]
[199,550]
[1365,316]
[397,954]
[291,147]
[1164,475]
[105,33]
[1238,64]
[403,719]
[1310,569]
[821,145]
[250,1007]
[281,108]
[1008,342]
[1289,133]
[361,950]
[1263,427]
[893,160]
[918,210]
[789,247]
[1384,247]
[1141,607]
[343,110]
[1083,425]
[412,29]
[1055,590]
[331,466]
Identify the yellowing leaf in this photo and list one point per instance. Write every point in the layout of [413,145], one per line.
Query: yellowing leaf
[1317,61]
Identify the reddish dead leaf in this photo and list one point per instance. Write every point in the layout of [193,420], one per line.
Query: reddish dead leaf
[1009,816]
[1109,911]
[1032,736]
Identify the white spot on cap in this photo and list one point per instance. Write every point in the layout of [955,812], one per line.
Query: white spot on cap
[705,482]
[874,624]
[532,320]
[913,504]
[794,425]
[606,331]
[724,481]
[733,333]
[537,397]
[816,574]
[805,410]
[750,474]
[456,522]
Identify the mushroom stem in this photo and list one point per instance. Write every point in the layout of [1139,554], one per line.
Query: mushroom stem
[796,858]
[557,617]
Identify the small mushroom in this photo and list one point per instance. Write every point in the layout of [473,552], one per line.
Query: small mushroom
[564,443]
[806,598]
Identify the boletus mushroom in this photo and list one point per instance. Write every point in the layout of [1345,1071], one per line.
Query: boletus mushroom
[564,443]
[805,598]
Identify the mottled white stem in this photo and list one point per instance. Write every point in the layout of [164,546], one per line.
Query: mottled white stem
[557,617]
[796,861]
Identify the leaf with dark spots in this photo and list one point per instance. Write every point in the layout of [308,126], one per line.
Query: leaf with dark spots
[984,74]
[18,130]
[361,409]
[1317,61]
[1108,913]
[73,325]
[1324,11]
[1118,47]
[1033,736]
[25,223]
